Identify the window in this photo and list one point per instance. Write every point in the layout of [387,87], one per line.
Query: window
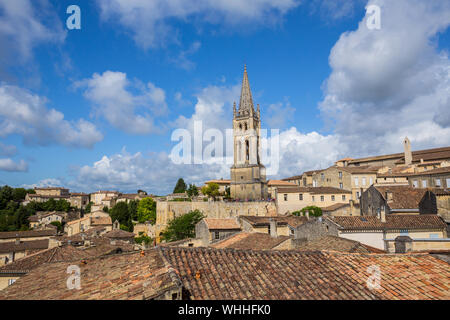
[356,181]
[11,281]
[434,236]
[404,232]
[314,183]
[343,197]
[268,229]
[341,186]
[313,198]
[357,194]
[332,198]
[447,181]
[424,183]
[292,231]
[304,182]
[340,174]
[285,197]
[438,182]
[322,198]
[216,235]
[300,197]
[364,181]
[322,176]
[371,181]
[415,184]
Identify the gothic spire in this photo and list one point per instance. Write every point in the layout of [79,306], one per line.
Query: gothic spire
[246,102]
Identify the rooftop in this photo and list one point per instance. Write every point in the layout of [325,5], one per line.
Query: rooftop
[231,274]
[222,224]
[336,244]
[28,234]
[6,247]
[403,197]
[257,221]
[393,222]
[250,241]
[313,190]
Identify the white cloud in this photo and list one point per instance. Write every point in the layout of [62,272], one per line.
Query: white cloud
[390,83]
[7,164]
[148,21]
[114,99]
[24,24]
[51,182]
[24,113]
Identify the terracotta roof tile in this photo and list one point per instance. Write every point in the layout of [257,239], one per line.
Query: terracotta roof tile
[253,241]
[28,234]
[222,224]
[403,197]
[393,222]
[291,220]
[6,247]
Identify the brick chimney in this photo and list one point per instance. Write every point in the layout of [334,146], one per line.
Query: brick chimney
[383,214]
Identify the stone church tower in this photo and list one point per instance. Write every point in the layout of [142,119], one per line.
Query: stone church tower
[248,175]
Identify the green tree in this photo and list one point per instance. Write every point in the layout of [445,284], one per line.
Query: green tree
[182,227]
[57,224]
[313,211]
[192,191]
[19,194]
[21,218]
[132,209]
[88,207]
[211,190]
[120,212]
[180,186]
[146,210]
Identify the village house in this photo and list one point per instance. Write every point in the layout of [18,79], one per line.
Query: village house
[342,209]
[290,199]
[276,225]
[86,223]
[397,200]
[273,185]
[11,251]
[79,200]
[436,178]
[27,235]
[377,232]
[174,273]
[223,184]
[211,230]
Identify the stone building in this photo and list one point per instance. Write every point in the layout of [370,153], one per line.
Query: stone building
[435,178]
[213,230]
[397,200]
[248,174]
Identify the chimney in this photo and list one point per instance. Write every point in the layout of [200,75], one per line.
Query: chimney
[408,153]
[388,195]
[273,228]
[383,214]
[403,244]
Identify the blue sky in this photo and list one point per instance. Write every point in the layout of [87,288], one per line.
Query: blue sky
[95,108]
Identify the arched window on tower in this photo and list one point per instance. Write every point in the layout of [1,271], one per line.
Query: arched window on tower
[245,126]
[247,150]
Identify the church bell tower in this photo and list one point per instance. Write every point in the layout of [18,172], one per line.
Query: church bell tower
[248,175]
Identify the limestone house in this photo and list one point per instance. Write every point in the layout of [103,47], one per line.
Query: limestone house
[303,180]
[223,184]
[342,209]
[397,200]
[46,218]
[273,185]
[443,203]
[376,232]
[118,234]
[11,251]
[86,223]
[211,230]
[277,225]
[174,273]
[79,200]
[27,235]
[254,241]
[436,178]
[290,199]
[408,157]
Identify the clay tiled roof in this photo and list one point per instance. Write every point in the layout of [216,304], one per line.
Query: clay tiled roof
[433,171]
[393,222]
[291,220]
[6,247]
[403,197]
[116,277]
[362,169]
[56,254]
[33,218]
[279,183]
[250,241]
[222,224]
[30,195]
[119,234]
[230,274]
[292,178]
[335,206]
[332,243]
[313,190]
[27,234]
[282,275]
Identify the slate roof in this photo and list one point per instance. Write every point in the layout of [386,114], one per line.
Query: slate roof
[250,241]
[283,275]
[6,247]
[393,222]
[28,234]
[222,224]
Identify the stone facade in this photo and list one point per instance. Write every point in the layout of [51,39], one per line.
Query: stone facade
[248,174]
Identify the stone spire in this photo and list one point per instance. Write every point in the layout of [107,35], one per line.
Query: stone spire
[246,102]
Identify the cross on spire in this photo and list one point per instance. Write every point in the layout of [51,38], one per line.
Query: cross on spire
[246,102]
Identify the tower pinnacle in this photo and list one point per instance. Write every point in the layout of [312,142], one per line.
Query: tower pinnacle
[246,102]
